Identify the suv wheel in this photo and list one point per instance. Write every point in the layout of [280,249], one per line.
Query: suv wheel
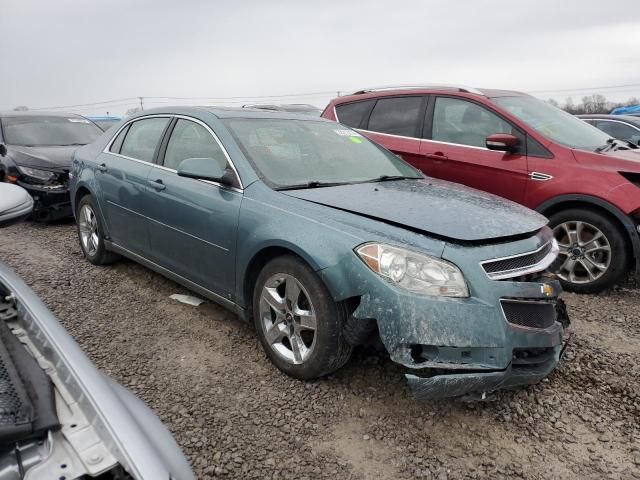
[90,233]
[300,326]
[593,251]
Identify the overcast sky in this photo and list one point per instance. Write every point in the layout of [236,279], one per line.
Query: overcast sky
[64,52]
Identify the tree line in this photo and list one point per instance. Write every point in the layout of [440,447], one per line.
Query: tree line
[592,104]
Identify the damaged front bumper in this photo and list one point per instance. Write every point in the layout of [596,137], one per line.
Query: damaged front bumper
[507,333]
[460,384]
[50,202]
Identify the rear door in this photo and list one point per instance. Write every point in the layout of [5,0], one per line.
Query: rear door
[455,134]
[193,223]
[121,173]
[396,123]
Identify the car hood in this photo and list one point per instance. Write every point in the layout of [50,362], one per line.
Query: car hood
[56,158]
[436,207]
[630,155]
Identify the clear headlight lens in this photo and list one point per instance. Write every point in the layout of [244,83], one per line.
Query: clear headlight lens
[413,271]
[43,175]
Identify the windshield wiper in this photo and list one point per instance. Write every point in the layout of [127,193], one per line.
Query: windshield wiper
[311,184]
[71,145]
[607,146]
[387,178]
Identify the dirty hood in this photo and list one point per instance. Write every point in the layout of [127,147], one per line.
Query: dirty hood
[55,158]
[444,209]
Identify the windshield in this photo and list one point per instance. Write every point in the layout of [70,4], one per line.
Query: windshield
[553,123]
[41,131]
[290,153]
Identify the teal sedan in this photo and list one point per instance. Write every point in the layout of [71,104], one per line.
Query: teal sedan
[325,241]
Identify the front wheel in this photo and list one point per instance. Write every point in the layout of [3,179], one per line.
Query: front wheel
[593,250]
[300,326]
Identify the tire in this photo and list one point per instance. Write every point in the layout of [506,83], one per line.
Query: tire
[279,328]
[576,231]
[88,222]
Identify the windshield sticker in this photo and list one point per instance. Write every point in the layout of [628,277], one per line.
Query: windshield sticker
[355,139]
[78,120]
[347,133]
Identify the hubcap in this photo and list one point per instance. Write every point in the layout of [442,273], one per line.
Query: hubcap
[585,252]
[88,224]
[288,318]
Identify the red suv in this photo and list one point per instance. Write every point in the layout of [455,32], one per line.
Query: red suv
[521,148]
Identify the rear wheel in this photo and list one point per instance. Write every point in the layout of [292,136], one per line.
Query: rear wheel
[593,250]
[91,233]
[300,326]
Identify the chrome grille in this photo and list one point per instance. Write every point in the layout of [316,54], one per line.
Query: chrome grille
[521,264]
[530,314]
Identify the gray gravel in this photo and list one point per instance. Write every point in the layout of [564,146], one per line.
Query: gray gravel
[236,416]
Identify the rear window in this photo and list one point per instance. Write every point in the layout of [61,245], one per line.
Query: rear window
[143,137]
[396,116]
[352,114]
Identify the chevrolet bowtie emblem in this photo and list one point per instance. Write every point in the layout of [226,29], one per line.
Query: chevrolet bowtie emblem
[546,289]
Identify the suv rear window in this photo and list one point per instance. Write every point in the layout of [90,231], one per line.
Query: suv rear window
[352,114]
[396,116]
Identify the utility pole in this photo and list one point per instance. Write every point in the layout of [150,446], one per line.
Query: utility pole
[141,104]
[338,93]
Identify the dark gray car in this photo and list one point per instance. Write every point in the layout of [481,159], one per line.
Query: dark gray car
[35,153]
[622,127]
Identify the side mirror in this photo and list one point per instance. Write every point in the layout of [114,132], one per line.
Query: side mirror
[205,169]
[502,142]
[15,204]
[3,149]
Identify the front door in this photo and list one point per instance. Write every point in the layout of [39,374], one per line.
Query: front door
[122,178]
[193,223]
[456,145]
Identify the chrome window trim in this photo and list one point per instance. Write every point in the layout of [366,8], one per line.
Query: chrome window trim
[184,117]
[613,121]
[387,134]
[516,272]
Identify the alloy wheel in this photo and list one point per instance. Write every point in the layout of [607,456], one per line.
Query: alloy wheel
[585,252]
[88,226]
[288,318]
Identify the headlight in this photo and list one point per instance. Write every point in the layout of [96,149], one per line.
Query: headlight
[413,271]
[43,175]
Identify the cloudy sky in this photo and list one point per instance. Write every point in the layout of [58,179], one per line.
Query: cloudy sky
[65,53]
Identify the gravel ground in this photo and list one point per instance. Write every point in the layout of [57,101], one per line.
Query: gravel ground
[236,416]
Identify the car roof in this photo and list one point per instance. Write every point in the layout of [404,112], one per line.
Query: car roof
[231,112]
[622,118]
[444,89]
[37,113]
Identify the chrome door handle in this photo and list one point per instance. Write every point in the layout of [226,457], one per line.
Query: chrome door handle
[157,184]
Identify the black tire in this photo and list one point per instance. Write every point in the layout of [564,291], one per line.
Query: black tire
[101,256]
[331,350]
[617,240]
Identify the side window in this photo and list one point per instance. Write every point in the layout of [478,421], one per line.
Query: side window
[396,116]
[617,130]
[117,143]
[465,123]
[143,137]
[192,140]
[352,114]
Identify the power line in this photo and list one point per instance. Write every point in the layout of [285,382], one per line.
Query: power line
[587,88]
[86,104]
